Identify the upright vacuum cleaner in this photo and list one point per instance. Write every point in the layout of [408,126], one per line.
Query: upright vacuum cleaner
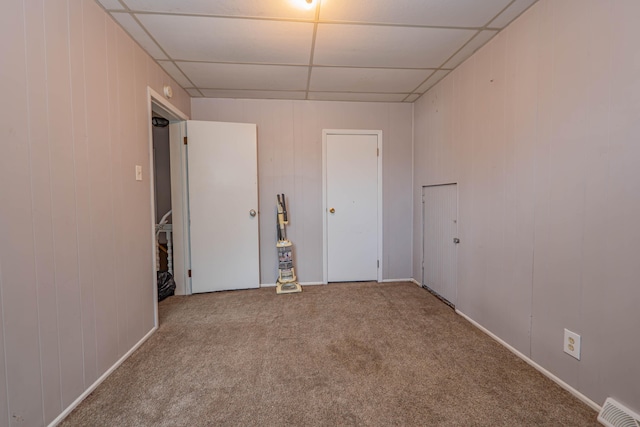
[286,283]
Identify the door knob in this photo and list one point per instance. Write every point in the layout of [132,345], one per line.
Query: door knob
[252,212]
[456,240]
[332,210]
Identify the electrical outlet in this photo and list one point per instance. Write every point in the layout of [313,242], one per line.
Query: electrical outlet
[572,344]
[138,173]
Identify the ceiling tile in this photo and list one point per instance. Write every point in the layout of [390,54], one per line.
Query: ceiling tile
[412,97]
[448,13]
[174,72]
[435,78]
[194,93]
[477,42]
[138,34]
[111,4]
[329,79]
[243,76]
[198,38]
[511,13]
[374,50]
[257,8]
[253,94]
[384,46]
[351,96]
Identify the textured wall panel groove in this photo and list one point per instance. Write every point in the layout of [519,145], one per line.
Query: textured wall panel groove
[65,190]
[290,161]
[544,140]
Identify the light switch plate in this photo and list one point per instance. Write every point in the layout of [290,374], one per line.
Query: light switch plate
[138,173]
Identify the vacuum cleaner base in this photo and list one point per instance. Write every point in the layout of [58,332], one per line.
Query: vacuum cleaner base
[288,288]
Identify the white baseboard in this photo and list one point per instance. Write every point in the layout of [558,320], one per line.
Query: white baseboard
[396,280]
[103,377]
[273,285]
[415,281]
[539,368]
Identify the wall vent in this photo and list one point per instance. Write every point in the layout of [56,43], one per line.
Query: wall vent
[614,414]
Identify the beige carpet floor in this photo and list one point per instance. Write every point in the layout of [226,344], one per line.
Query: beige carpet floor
[352,354]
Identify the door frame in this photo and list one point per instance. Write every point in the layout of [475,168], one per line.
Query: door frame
[325,211]
[154,99]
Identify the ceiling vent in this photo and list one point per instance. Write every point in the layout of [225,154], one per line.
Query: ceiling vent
[614,414]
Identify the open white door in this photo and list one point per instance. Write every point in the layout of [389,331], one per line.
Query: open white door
[352,198]
[223,205]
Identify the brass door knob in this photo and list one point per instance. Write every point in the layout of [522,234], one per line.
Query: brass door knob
[332,210]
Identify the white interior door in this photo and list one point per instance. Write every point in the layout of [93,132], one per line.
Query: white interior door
[440,230]
[223,204]
[352,207]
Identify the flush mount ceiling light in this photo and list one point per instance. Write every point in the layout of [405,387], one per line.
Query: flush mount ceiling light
[303,4]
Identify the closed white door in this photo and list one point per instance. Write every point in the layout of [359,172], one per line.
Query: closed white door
[440,233]
[223,204]
[352,205]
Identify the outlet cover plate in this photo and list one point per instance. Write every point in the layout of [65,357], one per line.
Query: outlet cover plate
[572,343]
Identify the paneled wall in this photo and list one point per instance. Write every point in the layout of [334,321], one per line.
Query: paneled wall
[541,130]
[76,282]
[290,162]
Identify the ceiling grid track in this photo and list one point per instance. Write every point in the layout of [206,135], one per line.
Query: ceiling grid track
[313,47]
[361,50]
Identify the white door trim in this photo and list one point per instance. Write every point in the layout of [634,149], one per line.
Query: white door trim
[171,110]
[325,254]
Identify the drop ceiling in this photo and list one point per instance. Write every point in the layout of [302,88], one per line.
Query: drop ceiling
[339,50]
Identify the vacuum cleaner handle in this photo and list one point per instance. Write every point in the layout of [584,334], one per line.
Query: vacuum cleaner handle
[284,208]
[281,221]
[278,230]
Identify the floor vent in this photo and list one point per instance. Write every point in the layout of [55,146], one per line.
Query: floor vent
[613,414]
